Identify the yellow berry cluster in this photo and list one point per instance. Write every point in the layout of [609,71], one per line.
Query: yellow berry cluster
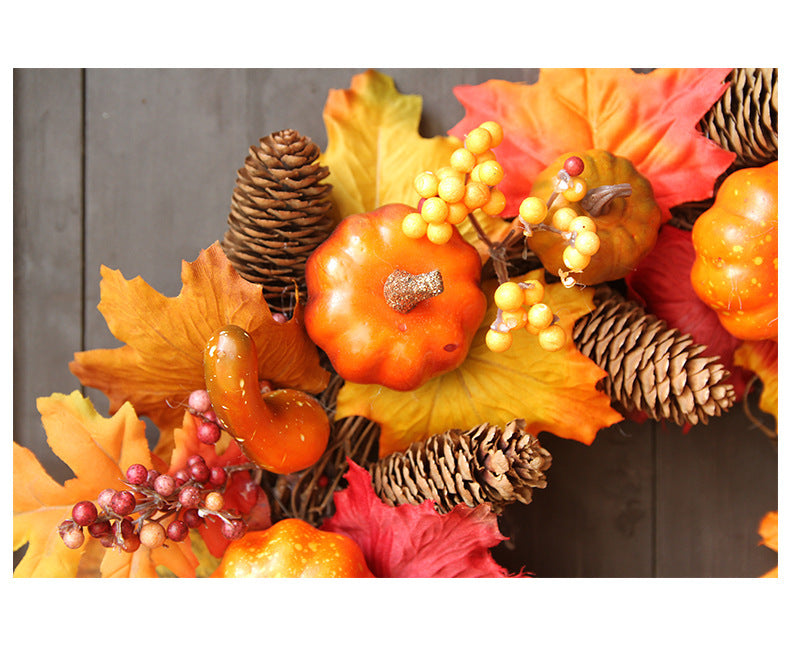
[452,192]
[520,306]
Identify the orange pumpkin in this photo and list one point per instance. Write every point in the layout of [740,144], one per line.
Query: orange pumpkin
[292,548]
[627,226]
[735,271]
[390,309]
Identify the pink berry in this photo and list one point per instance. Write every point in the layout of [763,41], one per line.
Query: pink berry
[189,497]
[181,476]
[233,529]
[211,416]
[131,544]
[84,513]
[177,530]
[574,166]
[208,432]
[71,534]
[199,401]
[217,476]
[125,527]
[123,503]
[165,485]
[280,318]
[200,472]
[152,475]
[105,498]
[197,458]
[137,474]
[192,518]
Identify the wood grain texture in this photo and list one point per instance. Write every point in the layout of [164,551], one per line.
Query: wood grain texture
[161,150]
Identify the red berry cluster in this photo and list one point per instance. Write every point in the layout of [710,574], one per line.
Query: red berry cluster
[160,507]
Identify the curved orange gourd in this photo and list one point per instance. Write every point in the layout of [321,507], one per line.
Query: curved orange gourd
[282,431]
[735,271]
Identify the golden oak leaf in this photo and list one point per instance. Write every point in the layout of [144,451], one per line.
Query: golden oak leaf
[552,391]
[374,151]
[162,360]
[98,450]
[650,119]
[762,357]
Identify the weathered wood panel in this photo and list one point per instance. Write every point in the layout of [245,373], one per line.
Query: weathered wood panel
[47,246]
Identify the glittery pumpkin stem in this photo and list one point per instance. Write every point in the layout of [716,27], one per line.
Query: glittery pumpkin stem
[403,290]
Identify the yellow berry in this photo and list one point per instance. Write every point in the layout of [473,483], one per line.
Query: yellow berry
[439,234]
[552,338]
[574,259]
[414,225]
[509,296]
[488,155]
[532,210]
[462,160]
[534,292]
[587,242]
[448,171]
[478,140]
[491,173]
[476,195]
[457,212]
[515,319]
[563,217]
[498,341]
[434,210]
[451,189]
[581,223]
[540,316]
[425,184]
[576,191]
[496,203]
[496,131]
[532,329]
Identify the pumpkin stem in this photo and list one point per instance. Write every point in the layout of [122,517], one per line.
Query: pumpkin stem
[597,200]
[403,290]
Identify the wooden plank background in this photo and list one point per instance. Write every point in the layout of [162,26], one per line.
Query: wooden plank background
[134,169]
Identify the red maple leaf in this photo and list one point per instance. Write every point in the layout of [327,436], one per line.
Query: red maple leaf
[662,283]
[650,119]
[411,541]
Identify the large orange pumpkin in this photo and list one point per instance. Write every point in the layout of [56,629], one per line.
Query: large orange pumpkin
[735,271]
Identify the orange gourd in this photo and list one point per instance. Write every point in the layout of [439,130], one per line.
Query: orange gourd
[626,225]
[282,431]
[736,269]
[292,548]
[390,309]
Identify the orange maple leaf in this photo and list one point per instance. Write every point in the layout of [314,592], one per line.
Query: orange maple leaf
[650,119]
[551,391]
[762,357]
[162,360]
[769,531]
[98,450]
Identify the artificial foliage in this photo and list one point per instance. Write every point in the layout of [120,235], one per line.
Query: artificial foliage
[332,402]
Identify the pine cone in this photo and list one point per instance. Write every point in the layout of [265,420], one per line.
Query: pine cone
[744,120]
[278,215]
[307,494]
[651,367]
[484,464]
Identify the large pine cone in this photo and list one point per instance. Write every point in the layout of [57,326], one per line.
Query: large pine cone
[652,368]
[278,216]
[484,464]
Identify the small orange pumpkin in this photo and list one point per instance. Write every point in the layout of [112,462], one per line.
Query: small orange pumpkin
[627,226]
[736,269]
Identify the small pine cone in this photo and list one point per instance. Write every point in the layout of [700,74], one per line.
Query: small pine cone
[484,464]
[279,214]
[744,120]
[651,367]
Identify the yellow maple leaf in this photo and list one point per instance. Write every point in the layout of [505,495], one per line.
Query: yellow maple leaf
[98,450]
[162,360]
[552,391]
[374,151]
[762,358]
